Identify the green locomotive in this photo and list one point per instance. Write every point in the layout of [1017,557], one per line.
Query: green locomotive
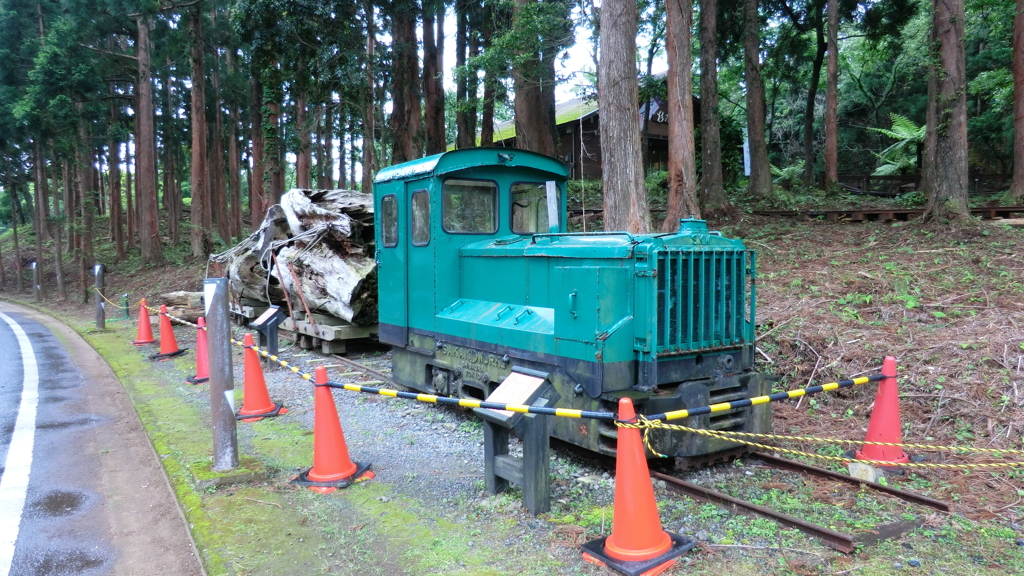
[477,274]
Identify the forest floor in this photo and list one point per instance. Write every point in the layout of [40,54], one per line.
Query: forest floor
[833,300]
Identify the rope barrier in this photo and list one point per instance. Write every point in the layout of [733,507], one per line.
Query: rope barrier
[648,425]
[660,421]
[123,306]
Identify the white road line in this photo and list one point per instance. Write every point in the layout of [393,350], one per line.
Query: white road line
[14,483]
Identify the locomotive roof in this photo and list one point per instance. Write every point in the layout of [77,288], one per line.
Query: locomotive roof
[471,158]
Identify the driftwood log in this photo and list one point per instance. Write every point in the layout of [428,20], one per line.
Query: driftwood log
[190,314]
[316,249]
[183,299]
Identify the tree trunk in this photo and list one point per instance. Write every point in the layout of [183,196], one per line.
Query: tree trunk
[325,166]
[625,198]
[42,194]
[58,251]
[433,81]
[682,160]
[116,225]
[272,145]
[304,155]
[234,158]
[199,182]
[472,81]
[462,32]
[86,193]
[342,150]
[832,100]
[149,219]
[490,84]
[218,191]
[132,212]
[257,188]
[354,158]
[234,177]
[531,130]
[369,163]
[172,181]
[947,198]
[40,217]
[71,208]
[812,95]
[712,194]
[19,279]
[760,183]
[1016,193]
[405,94]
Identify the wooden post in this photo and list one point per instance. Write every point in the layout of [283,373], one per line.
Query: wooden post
[101,314]
[222,380]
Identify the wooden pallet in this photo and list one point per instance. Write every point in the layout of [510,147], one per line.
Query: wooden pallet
[326,332]
[247,310]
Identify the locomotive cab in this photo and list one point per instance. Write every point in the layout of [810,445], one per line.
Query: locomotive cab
[477,274]
[430,208]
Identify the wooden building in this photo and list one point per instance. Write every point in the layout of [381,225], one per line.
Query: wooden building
[577,127]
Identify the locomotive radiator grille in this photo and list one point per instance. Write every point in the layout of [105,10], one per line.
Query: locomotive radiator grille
[704,301]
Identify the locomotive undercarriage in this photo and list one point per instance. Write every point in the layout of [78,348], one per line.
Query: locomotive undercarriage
[471,369]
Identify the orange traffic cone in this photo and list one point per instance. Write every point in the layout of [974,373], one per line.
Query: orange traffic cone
[144,335]
[637,545]
[168,344]
[332,467]
[202,358]
[884,425]
[256,404]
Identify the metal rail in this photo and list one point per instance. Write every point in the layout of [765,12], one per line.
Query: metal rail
[821,472]
[833,539]
[384,378]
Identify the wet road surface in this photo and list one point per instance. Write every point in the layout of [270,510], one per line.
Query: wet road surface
[81,491]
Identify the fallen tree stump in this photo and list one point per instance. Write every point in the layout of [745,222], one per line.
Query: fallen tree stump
[315,249]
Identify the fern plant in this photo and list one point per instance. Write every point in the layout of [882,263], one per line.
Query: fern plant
[901,157]
[789,176]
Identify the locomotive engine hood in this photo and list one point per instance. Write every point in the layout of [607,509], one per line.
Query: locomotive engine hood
[692,234]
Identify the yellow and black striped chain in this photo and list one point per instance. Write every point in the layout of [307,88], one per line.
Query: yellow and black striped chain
[647,423]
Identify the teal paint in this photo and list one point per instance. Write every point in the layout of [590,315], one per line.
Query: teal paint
[607,313]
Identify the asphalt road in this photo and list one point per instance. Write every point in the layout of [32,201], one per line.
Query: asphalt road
[81,490]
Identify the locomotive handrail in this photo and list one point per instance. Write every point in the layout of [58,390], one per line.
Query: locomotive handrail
[533,239]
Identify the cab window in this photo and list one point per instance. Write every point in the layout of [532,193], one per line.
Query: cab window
[469,206]
[530,207]
[389,220]
[420,218]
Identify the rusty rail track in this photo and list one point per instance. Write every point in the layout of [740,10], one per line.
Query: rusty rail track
[833,539]
[384,378]
[823,473]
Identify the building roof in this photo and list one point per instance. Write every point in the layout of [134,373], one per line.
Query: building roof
[565,112]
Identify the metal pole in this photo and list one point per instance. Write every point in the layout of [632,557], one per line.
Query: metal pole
[101,310]
[37,291]
[222,379]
